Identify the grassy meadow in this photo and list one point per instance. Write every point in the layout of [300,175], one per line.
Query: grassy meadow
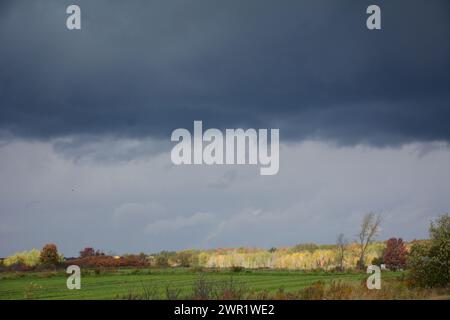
[127,283]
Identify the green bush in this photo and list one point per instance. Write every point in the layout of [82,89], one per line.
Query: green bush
[429,261]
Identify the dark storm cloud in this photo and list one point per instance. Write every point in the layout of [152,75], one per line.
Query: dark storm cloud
[143,68]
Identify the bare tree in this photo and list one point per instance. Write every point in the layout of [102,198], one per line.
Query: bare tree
[370,228]
[341,244]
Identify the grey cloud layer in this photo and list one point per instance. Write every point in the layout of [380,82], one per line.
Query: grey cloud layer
[143,68]
[148,205]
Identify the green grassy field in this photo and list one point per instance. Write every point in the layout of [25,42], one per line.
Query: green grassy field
[52,285]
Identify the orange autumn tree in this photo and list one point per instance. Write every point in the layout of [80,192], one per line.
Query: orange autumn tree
[49,254]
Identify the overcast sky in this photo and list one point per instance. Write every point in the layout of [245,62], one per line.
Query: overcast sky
[86,118]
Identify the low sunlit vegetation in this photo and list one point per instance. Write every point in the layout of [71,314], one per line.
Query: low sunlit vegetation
[414,270]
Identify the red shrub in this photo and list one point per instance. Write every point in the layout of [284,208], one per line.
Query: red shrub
[87,252]
[90,252]
[395,254]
